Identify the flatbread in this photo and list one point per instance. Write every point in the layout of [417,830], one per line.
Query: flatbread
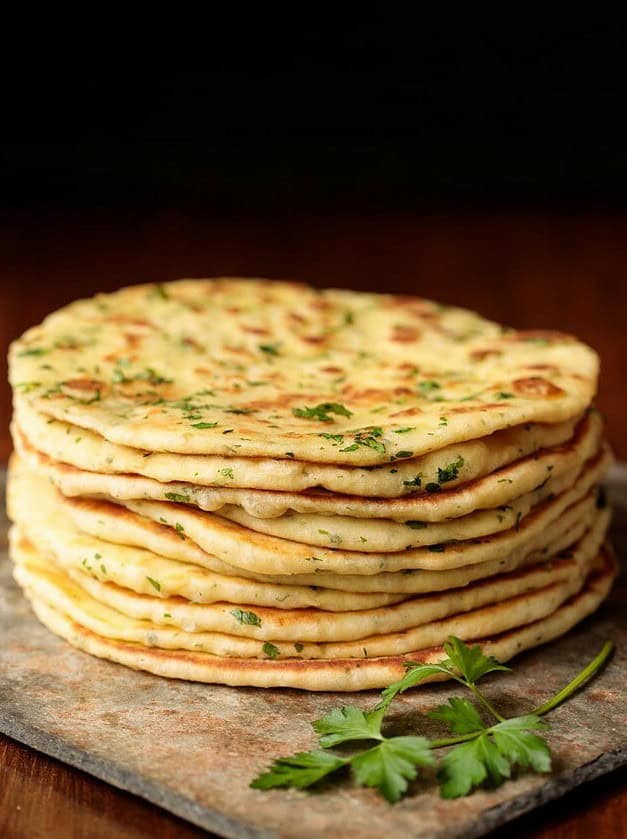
[61,525]
[324,675]
[493,490]
[406,626]
[380,535]
[172,368]
[245,548]
[386,535]
[462,462]
[111,523]
[53,533]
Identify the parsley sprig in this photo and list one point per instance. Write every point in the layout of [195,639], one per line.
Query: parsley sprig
[482,753]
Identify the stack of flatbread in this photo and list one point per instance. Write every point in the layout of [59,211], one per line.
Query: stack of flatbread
[259,483]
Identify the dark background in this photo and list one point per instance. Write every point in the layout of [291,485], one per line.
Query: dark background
[246,111]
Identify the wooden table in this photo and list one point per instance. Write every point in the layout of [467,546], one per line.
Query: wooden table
[565,272]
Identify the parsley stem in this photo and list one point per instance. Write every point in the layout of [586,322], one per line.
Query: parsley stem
[586,674]
[578,681]
[452,741]
[484,701]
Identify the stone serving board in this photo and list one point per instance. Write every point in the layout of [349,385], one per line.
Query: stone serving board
[193,749]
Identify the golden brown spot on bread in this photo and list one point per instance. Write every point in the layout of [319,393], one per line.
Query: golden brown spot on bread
[408,412]
[255,330]
[82,388]
[320,304]
[404,334]
[539,335]
[296,317]
[536,386]
[125,319]
[374,393]
[191,342]
[132,340]
[481,355]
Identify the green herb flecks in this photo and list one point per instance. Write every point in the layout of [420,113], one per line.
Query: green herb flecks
[431,390]
[149,375]
[246,618]
[158,291]
[269,349]
[35,352]
[178,497]
[322,412]
[335,438]
[368,437]
[334,538]
[450,472]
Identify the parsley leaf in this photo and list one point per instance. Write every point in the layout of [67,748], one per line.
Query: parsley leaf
[390,765]
[522,748]
[416,673]
[460,715]
[348,723]
[469,661]
[300,770]
[491,756]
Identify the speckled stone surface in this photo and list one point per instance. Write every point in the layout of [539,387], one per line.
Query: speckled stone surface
[193,749]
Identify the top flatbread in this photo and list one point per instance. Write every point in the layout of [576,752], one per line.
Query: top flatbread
[258,368]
